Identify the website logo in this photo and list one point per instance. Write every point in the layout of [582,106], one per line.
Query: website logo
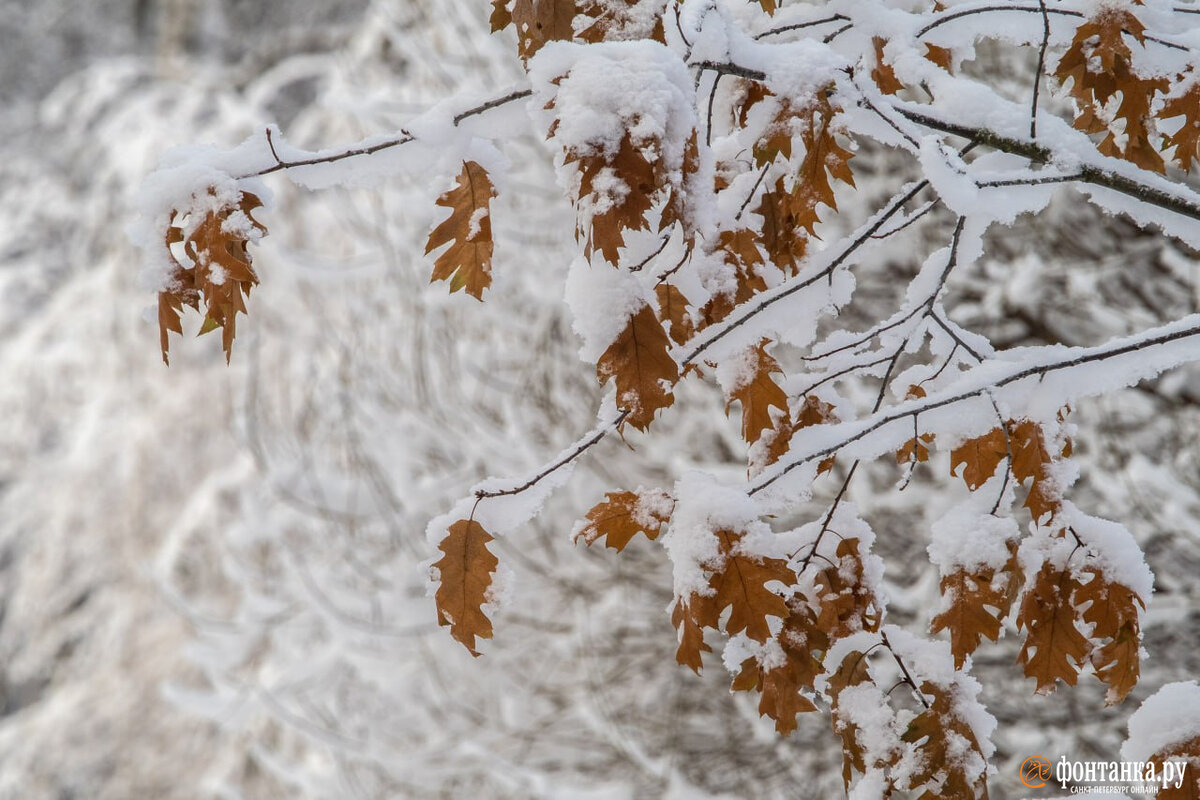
[1036,771]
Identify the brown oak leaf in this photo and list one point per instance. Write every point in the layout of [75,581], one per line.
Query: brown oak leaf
[541,21]
[1054,648]
[640,361]
[1113,612]
[981,456]
[467,262]
[1098,65]
[952,764]
[759,394]
[1186,140]
[978,602]
[218,270]
[623,515]
[464,580]
[780,685]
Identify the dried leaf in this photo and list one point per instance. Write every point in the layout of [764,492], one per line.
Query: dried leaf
[942,56]
[815,411]
[1053,648]
[740,584]
[624,515]
[915,450]
[618,20]
[1113,610]
[640,361]
[848,604]
[978,602]
[617,194]
[1186,140]
[467,262]
[851,672]
[218,270]
[980,456]
[501,15]
[1098,65]
[823,159]
[1032,461]
[542,21]
[673,311]
[882,73]
[759,394]
[739,249]
[780,685]
[691,637]
[464,580]
[1189,786]
[783,236]
[951,763]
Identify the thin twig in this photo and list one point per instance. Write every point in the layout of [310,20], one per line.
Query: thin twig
[907,677]
[402,137]
[799,25]
[560,462]
[1037,76]
[1093,355]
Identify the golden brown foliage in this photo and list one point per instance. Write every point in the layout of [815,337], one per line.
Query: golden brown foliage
[622,516]
[467,262]
[218,270]
[978,602]
[640,362]
[1099,65]
[464,580]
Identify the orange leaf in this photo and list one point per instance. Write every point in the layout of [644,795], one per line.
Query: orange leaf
[623,515]
[691,637]
[219,271]
[673,309]
[1186,140]
[1189,787]
[640,361]
[783,236]
[1053,648]
[467,262]
[541,21]
[814,411]
[1113,614]
[739,584]
[851,672]
[501,15]
[882,73]
[465,577]
[939,734]
[780,685]
[1099,64]
[847,604]
[1031,460]
[971,595]
[614,210]
[759,395]
[739,250]
[942,56]
[609,21]
[981,456]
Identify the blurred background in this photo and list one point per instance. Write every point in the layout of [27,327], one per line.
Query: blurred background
[211,579]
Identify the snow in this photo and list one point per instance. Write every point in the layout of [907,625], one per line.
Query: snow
[602,301]
[969,538]
[1169,717]
[1112,548]
[602,92]
[704,506]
